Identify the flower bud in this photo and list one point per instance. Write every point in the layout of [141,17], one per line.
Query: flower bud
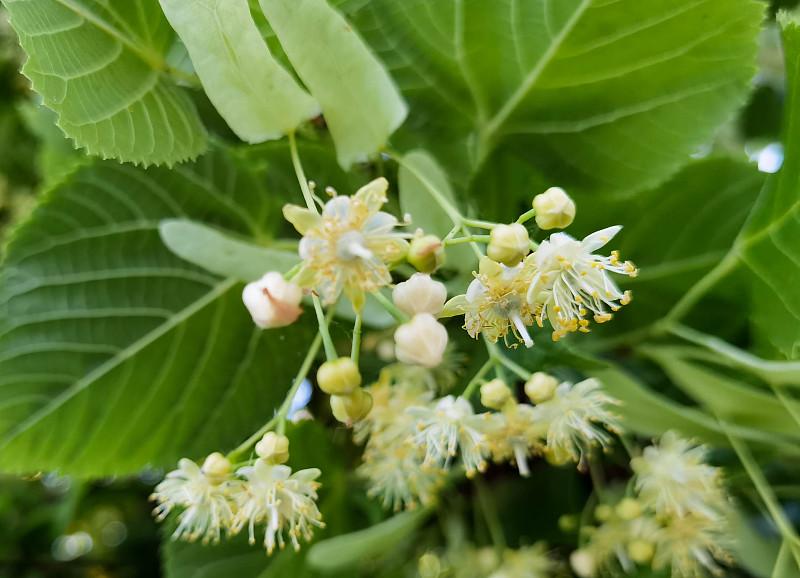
[603,513]
[421,341]
[568,523]
[426,253]
[429,566]
[508,244]
[216,468]
[641,551]
[339,377]
[628,509]
[554,209]
[274,448]
[420,294]
[495,394]
[353,407]
[273,301]
[541,387]
[583,563]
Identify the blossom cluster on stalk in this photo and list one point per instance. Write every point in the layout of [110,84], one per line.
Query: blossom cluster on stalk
[679,517]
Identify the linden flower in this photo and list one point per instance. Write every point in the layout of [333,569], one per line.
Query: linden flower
[282,499]
[578,419]
[204,495]
[570,281]
[673,477]
[495,302]
[451,425]
[519,437]
[691,545]
[527,562]
[348,246]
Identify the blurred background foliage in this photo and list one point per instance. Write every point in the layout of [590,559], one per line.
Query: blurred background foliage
[56,527]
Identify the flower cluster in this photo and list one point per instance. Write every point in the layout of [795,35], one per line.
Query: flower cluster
[525,562]
[679,519]
[215,501]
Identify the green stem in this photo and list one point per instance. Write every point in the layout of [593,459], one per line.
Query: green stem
[293,271]
[280,417]
[527,216]
[477,379]
[699,289]
[468,239]
[301,176]
[490,515]
[479,224]
[356,349]
[516,368]
[399,316]
[330,350]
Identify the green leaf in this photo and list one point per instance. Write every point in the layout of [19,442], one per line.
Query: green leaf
[350,549]
[769,243]
[361,105]
[726,397]
[257,97]
[100,66]
[114,353]
[604,95]
[220,254]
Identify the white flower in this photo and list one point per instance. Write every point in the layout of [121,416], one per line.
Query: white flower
[348,246]
[203,493]
[519,437]
[285,501]
[570,282]
[272,301]
[420,294]
[495,302]
[421,341]
[449,426]
[527,562]
[673,478]
[691,545]
[578,419]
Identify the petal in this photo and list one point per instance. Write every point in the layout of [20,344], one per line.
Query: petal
[380,223]
[302,219]
[455,306]
[373,194]
[337,208]
[475,291]
[600,238]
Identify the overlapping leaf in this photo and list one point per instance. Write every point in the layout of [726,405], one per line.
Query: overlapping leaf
[601,94]
[114,353]
[101,66]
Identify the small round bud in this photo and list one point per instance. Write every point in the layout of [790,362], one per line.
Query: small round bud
[603,513]
[628,509]
[641,551]
[274,448]
[583,564]
[554,209]
[273,301]
[429,566]
[541,387]
[421,341]
[508,244]
[353,407]
[568,523]
[420,294]
[495,394]
[339,377]
[426,253]
[216,468]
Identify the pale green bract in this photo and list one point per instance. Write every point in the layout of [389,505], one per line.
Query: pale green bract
[255,95]
[361,104]
[101,67]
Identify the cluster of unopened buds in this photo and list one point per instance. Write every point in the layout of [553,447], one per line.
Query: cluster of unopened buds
[414,429]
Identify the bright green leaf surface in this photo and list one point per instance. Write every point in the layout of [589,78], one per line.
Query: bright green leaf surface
[219,253]
[115,352]
[770,244]
[361,105]
[100,66]
[604,95]
[256,96]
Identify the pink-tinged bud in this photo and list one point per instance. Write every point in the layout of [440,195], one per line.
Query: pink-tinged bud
[421,341]
[273,301]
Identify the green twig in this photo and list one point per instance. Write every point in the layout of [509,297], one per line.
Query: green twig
[399,316]
[477,379]
[356,349]
[330,350]
[490,515]
[301,176]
